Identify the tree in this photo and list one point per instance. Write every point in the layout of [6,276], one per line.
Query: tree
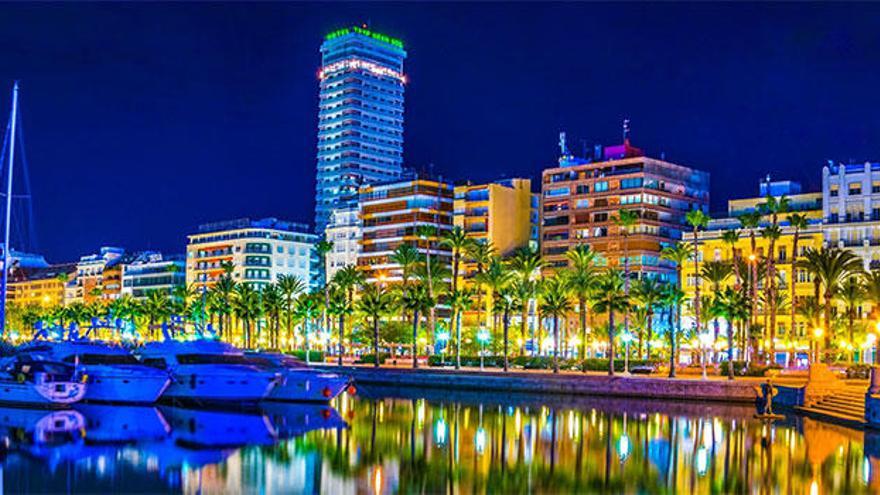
[610,297]
[273,304]
[851,293]
[339,307]
[647,294]
[481,254]
[673,297]
[797,222]
[494,278]
[247,307]
[460,300]
[224,289]
[526,263]
[697,219]
[374,303]
[322,248]
[581,276]
[624,221]
[415,299]
[731,238]
[772,233]
[506,302]
[734,305]
[872,294]
[426,234]
[407,257]
[555,303]
[290,287]
[716,273]
[751,221]
[829,267]
[156,306]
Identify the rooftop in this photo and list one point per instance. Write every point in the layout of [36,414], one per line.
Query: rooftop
[362,30]
[262,223]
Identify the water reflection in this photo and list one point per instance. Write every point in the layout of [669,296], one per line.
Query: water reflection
[413,441]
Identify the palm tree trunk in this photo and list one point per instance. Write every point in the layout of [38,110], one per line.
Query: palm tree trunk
[457,316]
[792,291]
[730,350]
[415,344]
[849,324]
[697,281]
[827,315]
[582,309]
[555,343]
[650,332]
[610,342]
[376,341]
[341,337]
[506,324]
[771,293]
[671,342]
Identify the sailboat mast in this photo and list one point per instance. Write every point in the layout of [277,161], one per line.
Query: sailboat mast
[13,119]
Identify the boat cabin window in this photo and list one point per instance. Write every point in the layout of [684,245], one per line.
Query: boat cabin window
[104,359]
[211,359]
[156,363]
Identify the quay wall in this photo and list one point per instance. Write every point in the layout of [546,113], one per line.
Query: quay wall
[565,384]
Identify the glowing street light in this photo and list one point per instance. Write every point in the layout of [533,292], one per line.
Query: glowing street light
[482,337]
[817,334]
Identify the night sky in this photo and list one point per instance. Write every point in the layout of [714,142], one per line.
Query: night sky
[143,120]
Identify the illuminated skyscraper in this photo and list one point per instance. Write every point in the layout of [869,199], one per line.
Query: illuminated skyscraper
[360,119]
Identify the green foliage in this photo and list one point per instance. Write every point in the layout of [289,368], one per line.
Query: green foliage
[314,356]
[371,358]
[753,369]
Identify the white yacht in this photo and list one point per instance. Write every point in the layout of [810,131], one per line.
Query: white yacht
[300,382]
[209,371]
[31,380]
[112,373]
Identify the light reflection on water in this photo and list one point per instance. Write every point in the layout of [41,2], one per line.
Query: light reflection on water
[411,441]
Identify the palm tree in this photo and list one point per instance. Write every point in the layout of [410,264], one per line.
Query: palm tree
[305,308]
[506,302]
[673,297]
[426,233]
[375,302]
[481,254]
[716,273]
[734,305]
[851,293]
[526,263]
[647,293]
[224,289]
[798,222]
[772,233]
[339,307]
[460,300]
[494,278]
[273,304]
[752,220]
[829,267]
[610,297]
[290,287]
[624,221]
[157,308]
[731,238]
[322,248]
[697,219]
[407,257]
[247,307]
[415,299]
[581,277]
[555,303]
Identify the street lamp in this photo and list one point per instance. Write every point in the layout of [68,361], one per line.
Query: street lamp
[483,337]
[443,336]
[626,337]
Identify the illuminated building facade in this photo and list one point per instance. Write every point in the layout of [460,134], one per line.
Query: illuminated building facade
[150,271]
[360,118]
[259,252]
[344,231]
[89,284]
[582,196]
[43,287]
[713,248]
[851,209]
[391,213]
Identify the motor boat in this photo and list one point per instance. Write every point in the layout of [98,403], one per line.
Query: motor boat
[32,380]
[300,382]
[209,371]
[112,373]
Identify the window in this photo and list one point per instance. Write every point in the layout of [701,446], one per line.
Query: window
[582,203]
[600,186]
[832,191]
[600,217]
[782,253]
[559,191]
[631,183]
[629,199]
[855,188]
[582,189]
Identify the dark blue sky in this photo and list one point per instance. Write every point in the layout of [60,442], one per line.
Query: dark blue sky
[144,120]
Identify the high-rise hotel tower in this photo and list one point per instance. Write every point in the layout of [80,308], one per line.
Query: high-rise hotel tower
[360,119]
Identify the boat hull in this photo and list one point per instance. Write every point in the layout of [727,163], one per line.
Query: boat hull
[309,386]
[134,386]
[46,394]
[247,386]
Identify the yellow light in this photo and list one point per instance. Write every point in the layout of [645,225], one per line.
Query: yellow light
[818,332]
[752,257]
